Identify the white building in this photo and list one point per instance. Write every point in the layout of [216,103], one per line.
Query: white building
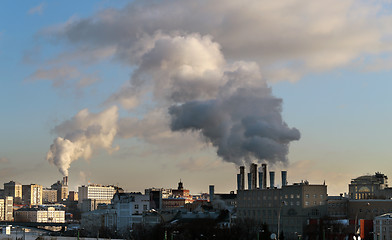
[6,208]
[382,227]
[40,214]
[129,209]
[93,194]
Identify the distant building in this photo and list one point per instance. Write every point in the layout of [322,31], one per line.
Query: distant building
[73,196]
[93,194]
[49,196]
[6,209]
[14,190]
[178,198]
[382,227]
[40,214]
[293,204]
[156,196]
[368,186]
[62,189]
[129,208]
[337,207]
[32,194]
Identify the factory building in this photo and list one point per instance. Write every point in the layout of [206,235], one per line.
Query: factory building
[288,208]
[32,194]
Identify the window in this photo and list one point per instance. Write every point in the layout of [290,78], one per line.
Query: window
[136,206]
[144,207]
[314,195]
[306,203]
[291,195]
[307,195]
[297,203]
[298,196]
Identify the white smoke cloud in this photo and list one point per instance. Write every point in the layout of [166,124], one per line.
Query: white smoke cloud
[81,135]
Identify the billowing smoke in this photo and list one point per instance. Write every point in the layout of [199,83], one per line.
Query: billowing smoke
[244,123]
[81,135]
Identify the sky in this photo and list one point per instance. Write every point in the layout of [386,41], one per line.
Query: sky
[144,93]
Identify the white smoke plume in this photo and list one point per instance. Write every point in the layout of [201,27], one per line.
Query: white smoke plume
[81,135]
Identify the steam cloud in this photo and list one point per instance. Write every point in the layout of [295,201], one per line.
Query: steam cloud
[243,125]
[83,133]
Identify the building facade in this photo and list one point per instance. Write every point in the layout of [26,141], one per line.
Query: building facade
[287,209]
[382,227]
[40,214]
[49,196]
[32,194]
[6,209]
[62,189]
[368,186]
[14,190]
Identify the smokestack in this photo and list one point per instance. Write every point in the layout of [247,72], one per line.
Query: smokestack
[239,187]
[65,181]
[212,192]
[264,168]
[253,171]
[284,178]
[242,173]
[249,181]
[272,179]
[260,180]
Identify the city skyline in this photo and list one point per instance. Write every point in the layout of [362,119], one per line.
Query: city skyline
[97,75]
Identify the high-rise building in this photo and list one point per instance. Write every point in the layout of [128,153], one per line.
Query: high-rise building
[49,196]
[14,190]
[94,194]
[6,208]
[62,189]
[32,194]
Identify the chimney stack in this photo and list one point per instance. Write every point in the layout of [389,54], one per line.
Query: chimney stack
[241,179]
[261,180]
[253,175]
[65,181]
[284,178]
[272,179]
[249,181]
[264,169]
[212,192]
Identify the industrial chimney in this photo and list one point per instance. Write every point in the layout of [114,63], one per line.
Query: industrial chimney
[253,175]
[264,169]
[284,178]
[65,181]
[249,181]
[272,179]
[241,179]
[212,192]
[260,180]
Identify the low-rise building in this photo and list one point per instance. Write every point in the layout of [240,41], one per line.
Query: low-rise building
[40,214]
[382,227]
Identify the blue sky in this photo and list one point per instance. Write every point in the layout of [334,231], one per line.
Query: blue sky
[333,76]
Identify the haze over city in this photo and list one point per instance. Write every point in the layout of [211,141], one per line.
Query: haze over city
[144,93]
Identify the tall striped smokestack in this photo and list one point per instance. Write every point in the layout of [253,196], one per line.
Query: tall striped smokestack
[264,168]
[284,178]
[272,179]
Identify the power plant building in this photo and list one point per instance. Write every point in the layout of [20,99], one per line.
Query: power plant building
[293,204]
[62,189]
